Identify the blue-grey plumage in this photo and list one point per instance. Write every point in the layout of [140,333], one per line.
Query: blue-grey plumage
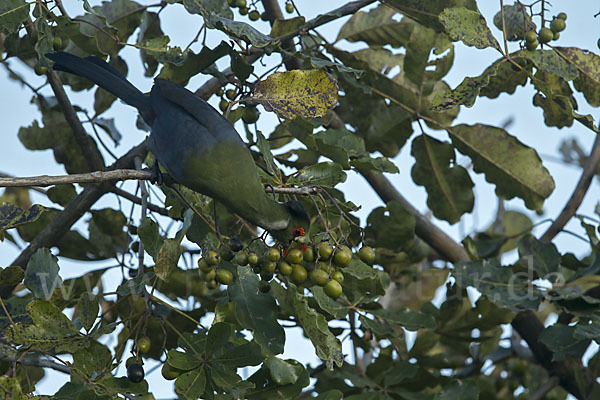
[196,145]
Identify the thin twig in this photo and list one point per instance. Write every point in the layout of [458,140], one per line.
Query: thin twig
[545,388]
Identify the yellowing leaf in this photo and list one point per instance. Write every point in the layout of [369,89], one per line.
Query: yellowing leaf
[298,93]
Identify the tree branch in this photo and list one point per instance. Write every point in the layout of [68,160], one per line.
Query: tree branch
[433,236]
[122,175]
[72,212]
[585,180]
[273,13]
[90,177]
[134,199]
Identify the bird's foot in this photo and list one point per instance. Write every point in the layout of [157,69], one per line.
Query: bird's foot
[158,177]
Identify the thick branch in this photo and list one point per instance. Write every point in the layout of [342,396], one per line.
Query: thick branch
[73,211]
[273,13]
[434,237]
[85,142]
[589,171]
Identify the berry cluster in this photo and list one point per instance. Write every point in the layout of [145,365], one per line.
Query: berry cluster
[545,35]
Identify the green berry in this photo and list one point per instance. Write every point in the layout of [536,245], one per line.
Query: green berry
[224,276]
[299,273]
[266,276]
[39,69]
[243,10]
[342,257]
[338,276]
[226,254]
[530,37]
[319,277]
[264,287]
[240,258]
[284,268]
[57,43]
[253,259]
[230,94]
[254,15]
[333,289]
[272,254]
[135,373]
[556,36]
[235,244]
[294,256]
[558,25]
[325,250]
[130,361]
[223,104]
[143,345]
[268,266]
[598,43]
[545,35]
[212,284]
[240,3]
[168,372]
[367,255]
[289,8]
[212,258]
[204,266]
[532,46]
[210,275]
[220,92]
[562,16]
[256,269]
[264,16]
[251,114]
[309,255]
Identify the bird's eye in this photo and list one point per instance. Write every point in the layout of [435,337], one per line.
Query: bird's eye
[298,231]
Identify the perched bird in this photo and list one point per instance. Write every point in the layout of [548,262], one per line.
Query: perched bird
[196,145]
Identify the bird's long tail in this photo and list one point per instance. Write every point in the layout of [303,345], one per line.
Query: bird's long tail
[103,75]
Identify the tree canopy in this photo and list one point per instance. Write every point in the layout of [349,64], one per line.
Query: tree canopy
[211,299]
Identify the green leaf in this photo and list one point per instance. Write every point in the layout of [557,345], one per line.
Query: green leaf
[376,27]
[363,282]
[41,274]
[321,174]
[159,49]
[136,284]
[449,187]
[11,388]
[401,371]
[459,390]
[229,380]
[148,233]
[282,27]
[297,93]
[501,285]
[191,385]
[588,65]
[257,311]
[91,361]
[327,304]
[542,257]
[391,226]
[332,394]
[469,27]
[381,164]
[61,194]
[87,310]
[167,258]
[149,29]
[284,372]
[266,389]
[550,62]
[515,169]
[517,21]
[328,347]
[11,276]
[426,12]
[122,384]
[561,340]
[247,354]
[12,14]
[240,30]
[183,361]
[12,216]
[208,7]
[265,149]
[407,318]
[217,337]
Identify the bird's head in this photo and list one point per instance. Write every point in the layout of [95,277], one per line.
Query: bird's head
[298,225]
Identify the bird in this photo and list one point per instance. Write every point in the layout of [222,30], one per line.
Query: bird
[197,146]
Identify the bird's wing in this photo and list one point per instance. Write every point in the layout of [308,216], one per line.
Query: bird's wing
[204,113]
